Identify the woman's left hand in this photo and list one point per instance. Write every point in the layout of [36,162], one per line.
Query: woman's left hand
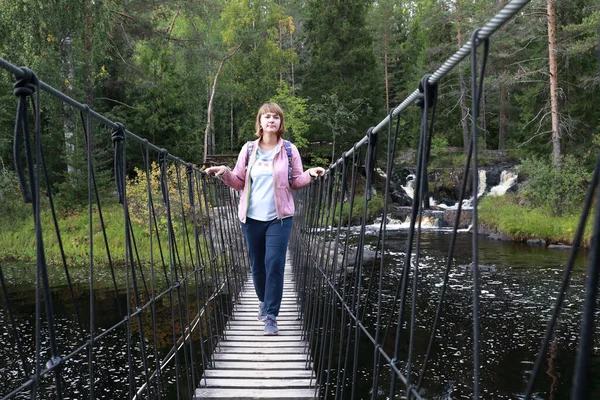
[316,171]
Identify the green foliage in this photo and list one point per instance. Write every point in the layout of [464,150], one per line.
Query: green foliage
[374,209]
[296,114]
[333,115]
[138,200]
[559,190]
[342,65]
[12,204]
[505,214]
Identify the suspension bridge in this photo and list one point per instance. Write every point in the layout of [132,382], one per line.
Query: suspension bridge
[180,321]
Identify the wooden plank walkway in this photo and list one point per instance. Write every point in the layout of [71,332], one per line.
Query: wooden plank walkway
[249,365]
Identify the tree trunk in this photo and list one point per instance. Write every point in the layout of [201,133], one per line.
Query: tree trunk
[231,122]
[503,116]
[553,66]
[280,28]
[387,79]
[483,145]
[210,103]
[292,46]
[68,75]
[463,85]
[89,69]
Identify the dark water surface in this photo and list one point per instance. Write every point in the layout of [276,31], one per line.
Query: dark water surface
[518,292]
[519,285]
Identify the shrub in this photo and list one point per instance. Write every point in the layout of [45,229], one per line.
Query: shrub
[561,190]
[137,197]
[374,208]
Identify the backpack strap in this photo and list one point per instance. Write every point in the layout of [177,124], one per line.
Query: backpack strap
[288,150]
[250,148]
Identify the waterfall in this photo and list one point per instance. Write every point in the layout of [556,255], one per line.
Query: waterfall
[507,180]
[410,186]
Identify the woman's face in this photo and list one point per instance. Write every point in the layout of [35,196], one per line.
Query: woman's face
[270,123]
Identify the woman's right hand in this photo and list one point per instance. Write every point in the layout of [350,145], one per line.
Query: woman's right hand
[217,171]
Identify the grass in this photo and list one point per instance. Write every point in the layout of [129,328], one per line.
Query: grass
[520,223]
[17,239]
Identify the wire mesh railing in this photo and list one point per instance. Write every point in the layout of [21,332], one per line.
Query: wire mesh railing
[364,318]
[135,307]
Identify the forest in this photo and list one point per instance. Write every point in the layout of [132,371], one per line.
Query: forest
[190,75]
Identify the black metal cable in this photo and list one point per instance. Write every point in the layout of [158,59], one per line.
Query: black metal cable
[355,158]
[27,86]
[581,377]
[92,321]
[391,151]
[401,288]
[157,363]
[477,90]
[449,261]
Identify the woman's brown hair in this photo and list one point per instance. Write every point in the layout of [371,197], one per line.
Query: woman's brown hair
[269,108]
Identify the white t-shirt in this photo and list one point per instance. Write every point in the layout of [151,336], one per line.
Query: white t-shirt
[261,205]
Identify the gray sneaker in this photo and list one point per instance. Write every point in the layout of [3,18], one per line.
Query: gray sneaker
[262,311]
[271,326]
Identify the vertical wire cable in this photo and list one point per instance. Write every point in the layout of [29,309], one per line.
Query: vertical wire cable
[323,309]
[351,325]
[129,250]
[358,266]
[402,287]
[581,377]
[477,88]
[90,168]
[391,151]
[183,280]
[449,261]
[157,360]
[565,280]
[334,274]
[199,272]
[330,285]
[61,248]
[55,363]
[172,261]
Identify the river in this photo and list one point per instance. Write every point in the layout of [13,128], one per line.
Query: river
[518,289]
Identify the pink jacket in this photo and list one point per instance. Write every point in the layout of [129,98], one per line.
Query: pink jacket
[238,179]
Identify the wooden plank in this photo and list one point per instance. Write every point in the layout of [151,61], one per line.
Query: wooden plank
[236,337]
[261,350]
[254,317]
[243,394]
[280,365]
[248,365]
[259,357]
[261,324]
[258,331]
[238,344]
[256,374]
[256,383]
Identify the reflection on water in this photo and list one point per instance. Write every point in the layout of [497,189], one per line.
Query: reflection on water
[112,368]
[518,285]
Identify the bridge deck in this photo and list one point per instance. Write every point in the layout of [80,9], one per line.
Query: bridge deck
[249,365]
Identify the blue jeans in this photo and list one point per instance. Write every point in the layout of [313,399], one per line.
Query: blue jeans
[267,244]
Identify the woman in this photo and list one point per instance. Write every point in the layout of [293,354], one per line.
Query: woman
[266,171]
